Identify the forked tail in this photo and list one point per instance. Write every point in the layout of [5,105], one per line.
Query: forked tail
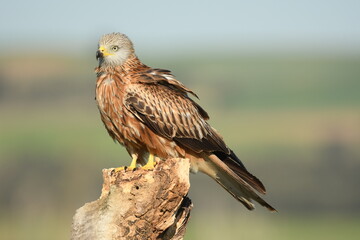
[240,184]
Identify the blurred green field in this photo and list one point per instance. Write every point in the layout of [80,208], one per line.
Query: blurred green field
[214,226]
[293,120]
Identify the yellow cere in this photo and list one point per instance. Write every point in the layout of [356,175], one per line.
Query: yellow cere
[104,52]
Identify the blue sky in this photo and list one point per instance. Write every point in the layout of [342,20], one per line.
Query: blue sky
[265,24]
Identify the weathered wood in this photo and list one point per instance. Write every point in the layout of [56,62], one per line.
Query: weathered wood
[138,204]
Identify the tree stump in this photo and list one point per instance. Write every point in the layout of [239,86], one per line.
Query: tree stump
[138,204]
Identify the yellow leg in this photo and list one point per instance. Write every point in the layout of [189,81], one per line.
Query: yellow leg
[150,164]
[119,169]
[132,164]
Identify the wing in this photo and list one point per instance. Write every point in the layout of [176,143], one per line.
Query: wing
[162,76]
[164,107]
[170,113]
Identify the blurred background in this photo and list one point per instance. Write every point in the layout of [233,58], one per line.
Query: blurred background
[280,80]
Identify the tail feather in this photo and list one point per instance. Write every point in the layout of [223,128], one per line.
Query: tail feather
[234,183]
[245,175]
[234,163]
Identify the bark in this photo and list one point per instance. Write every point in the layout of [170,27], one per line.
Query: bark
[138,204]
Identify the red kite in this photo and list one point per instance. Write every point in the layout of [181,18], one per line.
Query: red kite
[149,112]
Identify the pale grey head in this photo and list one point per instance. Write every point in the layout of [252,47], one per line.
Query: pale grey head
[114,49]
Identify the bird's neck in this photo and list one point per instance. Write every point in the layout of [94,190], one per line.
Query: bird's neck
[131,64]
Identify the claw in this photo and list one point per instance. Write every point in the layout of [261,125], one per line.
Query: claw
[119,169]
[133,162]
[131,167]
[150,164]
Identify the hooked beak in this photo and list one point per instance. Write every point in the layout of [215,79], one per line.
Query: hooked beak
[101,52]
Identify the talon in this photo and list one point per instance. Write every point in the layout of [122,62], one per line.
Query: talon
[150,164]
[129,168]
[119,169]
[133,162]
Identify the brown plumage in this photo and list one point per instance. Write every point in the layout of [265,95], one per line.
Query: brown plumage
[149,112]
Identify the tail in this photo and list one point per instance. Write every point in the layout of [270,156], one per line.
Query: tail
[235,179]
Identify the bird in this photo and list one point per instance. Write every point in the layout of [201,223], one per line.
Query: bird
[155,117]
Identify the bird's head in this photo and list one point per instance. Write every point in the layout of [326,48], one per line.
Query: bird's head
[114,49]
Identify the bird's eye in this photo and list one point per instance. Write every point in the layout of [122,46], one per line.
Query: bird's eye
[115,48]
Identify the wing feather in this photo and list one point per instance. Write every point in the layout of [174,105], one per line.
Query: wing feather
[173,115]
[168,111]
